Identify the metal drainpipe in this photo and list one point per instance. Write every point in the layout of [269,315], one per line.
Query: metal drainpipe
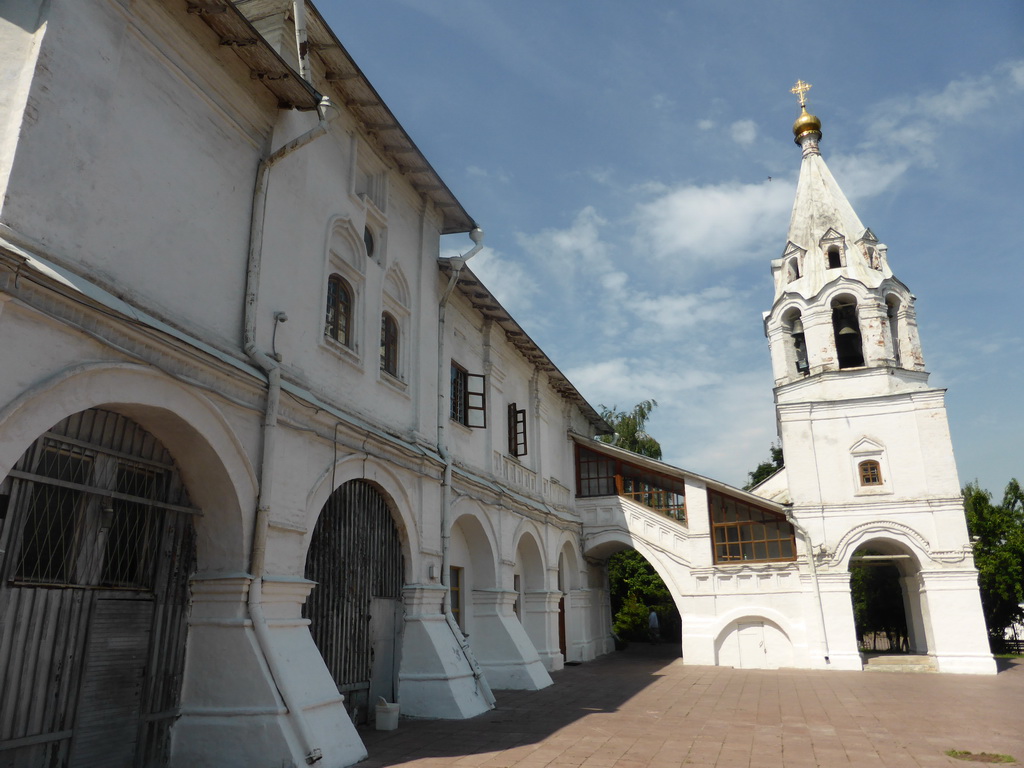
[457,262]
[271,366]
[301,43]
[814,578]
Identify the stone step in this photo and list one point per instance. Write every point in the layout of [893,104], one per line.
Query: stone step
[898,662]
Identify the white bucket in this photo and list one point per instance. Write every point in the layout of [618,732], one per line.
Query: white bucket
[387,715]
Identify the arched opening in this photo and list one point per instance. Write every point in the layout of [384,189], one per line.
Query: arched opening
[892,313]
[846,330]
[797,352]
[355,611]
[793,272]
[531,592]
[636,591]
[472,566]
[97,545]
[887,606]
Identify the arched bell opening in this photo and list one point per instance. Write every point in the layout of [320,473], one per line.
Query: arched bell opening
[796,351]
[97,545]
[846,332]
[355,611]
[888,609]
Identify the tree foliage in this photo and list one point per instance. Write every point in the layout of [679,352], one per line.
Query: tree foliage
[630,429]
[997,531]
[636,588]
[766,469]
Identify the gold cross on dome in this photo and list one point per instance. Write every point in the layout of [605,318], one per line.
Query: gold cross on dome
[800,89]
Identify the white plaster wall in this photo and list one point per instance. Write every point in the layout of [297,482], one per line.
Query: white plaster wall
[144,145]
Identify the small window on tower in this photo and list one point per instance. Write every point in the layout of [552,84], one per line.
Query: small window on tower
[870,473]
[835,259]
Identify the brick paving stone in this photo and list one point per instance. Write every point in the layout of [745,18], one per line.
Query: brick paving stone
[642,709]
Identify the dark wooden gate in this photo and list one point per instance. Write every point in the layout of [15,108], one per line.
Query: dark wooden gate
[96,548]
[355,556]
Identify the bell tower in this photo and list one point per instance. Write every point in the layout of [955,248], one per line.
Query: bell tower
[869,466]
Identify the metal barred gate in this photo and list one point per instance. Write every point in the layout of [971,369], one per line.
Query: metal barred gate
[96,548]
[355,556]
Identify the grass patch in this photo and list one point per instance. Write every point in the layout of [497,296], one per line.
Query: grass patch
[980,757]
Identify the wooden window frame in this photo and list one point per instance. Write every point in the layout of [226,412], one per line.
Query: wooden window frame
[870,473]
[468,397]
[600,475]
[744,539]
[516,430]
[339,312]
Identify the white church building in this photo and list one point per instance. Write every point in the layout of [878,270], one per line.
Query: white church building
[266,456]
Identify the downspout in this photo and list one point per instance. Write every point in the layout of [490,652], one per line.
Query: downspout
[301,43]
[271,366]
[457,263]
[814,577]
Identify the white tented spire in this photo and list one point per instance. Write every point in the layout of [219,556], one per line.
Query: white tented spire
[837,305]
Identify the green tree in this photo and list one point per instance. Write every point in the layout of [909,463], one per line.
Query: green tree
[635,588]
[997,531]
[630,432]
[766,469]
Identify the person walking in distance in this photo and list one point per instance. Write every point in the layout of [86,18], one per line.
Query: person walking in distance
[653,628]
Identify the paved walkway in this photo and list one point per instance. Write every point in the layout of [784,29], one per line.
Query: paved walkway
[643,709]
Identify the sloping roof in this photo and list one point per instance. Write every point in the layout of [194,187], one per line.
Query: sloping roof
[484,302]
[677,473]
[265,64]
[331,62]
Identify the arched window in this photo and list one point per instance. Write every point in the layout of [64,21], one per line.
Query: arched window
[870,473]
[846,328]
[389,344]
[794,270]
[338,321]
[835,259]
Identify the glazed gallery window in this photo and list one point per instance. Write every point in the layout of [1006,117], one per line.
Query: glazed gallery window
[468,397]
[600,475]
[744,533]
[389,344]
[870,473]
[338,320]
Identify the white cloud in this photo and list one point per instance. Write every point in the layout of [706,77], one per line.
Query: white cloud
[743,132]
[476,171]
[510,281]
[715,226]
[706,125]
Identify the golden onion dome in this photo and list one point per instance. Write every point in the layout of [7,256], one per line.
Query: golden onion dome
[806,123]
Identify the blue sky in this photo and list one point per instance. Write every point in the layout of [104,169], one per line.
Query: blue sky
[633,168]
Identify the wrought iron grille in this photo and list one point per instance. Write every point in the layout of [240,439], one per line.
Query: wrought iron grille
[355,554]
[96,549]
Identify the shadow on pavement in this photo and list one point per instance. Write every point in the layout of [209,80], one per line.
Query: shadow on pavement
[525,717]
